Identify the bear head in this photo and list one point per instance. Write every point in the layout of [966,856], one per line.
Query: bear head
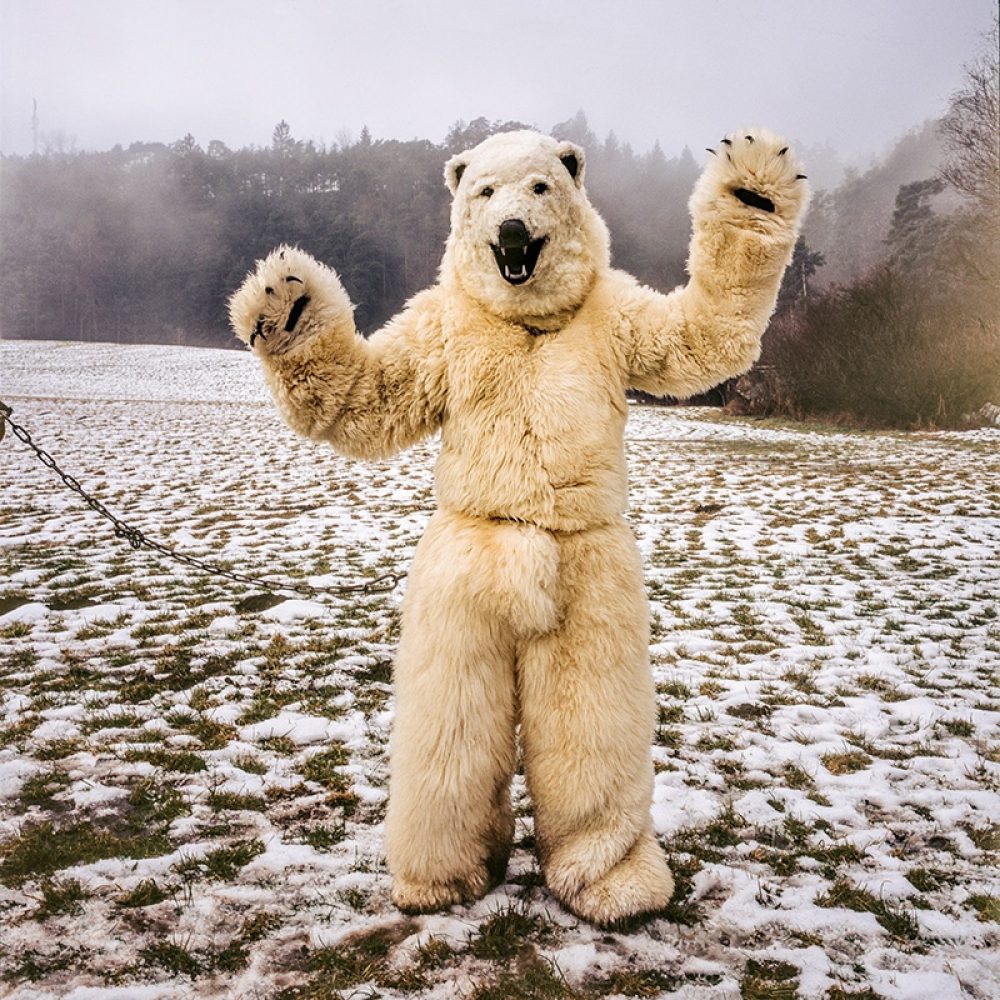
[525,242]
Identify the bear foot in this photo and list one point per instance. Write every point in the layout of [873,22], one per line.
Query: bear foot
[639,884]
[413,896]
[289,296]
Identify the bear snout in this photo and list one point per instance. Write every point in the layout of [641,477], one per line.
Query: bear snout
[513,233]
[516,252]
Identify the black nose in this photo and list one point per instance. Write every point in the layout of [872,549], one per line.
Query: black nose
[514,233]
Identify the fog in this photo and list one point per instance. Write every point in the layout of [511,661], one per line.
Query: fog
[853,75]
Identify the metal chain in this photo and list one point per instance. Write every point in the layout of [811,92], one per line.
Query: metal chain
[138,540]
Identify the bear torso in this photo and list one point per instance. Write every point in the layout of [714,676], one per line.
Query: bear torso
[534,421]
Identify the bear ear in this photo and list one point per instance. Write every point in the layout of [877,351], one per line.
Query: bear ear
[453,171]
[572,159]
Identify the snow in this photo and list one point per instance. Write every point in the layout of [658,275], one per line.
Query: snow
[826,644]
[292,610]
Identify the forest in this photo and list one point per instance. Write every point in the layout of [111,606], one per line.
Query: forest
[886,314]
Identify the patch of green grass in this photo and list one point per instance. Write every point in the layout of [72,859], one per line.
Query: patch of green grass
[355,898]
[812,631]
[58,749]
[872,682]
[322,769]
[34,965]
[152,803]
[929,879]
[838,993]
[42,849]
[210,734]
[221,865]
[359,960]
[20,661]
[795,777]
[20,731]
[277,744]
[137,830]
[769,981]
[646,983]
[848,762]
[235,955]
[986,838]
[219,801]
[833,857]
[251,764]
[987,907]
[322,838]
[710,741]
[893,917]
[146,893]
[115,720]
[60,897]
[435,953]
[959,727]
[181,761]
[40,789]
[173,958]
[674,689]
[536,980]
[802,680]
[504,932]
[750,711]
[16,630]
[266,704]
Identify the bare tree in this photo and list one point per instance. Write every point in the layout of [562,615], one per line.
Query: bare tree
[971,128]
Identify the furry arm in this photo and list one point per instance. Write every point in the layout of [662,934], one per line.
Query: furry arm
[368,398]
[746,209]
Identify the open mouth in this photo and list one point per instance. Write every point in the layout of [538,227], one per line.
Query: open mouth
[516,255]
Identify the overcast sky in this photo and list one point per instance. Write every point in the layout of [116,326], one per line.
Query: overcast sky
[853,73]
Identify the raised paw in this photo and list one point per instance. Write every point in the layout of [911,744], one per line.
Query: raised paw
[754,174]
[288,297]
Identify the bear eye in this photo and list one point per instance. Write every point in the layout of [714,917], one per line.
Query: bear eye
[540,188]
[486,192]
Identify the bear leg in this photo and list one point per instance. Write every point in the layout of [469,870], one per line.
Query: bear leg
[587,719]
[449,823]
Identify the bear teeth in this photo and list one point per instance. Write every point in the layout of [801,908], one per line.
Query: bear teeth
[517,263]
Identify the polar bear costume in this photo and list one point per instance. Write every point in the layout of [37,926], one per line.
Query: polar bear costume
[525,605]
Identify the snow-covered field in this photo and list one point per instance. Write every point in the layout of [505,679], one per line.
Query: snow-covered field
[193,772]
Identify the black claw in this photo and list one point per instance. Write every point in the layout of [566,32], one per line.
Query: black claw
[258,331]
[728,157]
[726,142]
[754,200]
[801,177]
[782,151]
[282,254]
[749,138]
[712,151]
[296,311]
[292,277]
[269,290]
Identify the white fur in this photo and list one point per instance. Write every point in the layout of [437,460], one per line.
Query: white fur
[525,602]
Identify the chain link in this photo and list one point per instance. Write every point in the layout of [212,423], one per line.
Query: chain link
[138,540]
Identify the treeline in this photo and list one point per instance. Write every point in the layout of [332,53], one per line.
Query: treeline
[888,313]
[145,244]
[908,333]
